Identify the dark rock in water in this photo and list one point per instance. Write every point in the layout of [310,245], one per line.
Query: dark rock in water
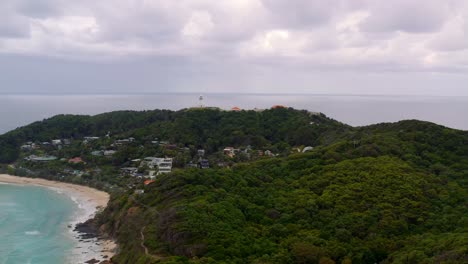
[87,230]
[105,256]
[92,261]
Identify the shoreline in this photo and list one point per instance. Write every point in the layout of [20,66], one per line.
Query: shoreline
[88,201]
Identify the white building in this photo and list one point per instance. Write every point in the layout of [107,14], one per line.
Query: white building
[164,165]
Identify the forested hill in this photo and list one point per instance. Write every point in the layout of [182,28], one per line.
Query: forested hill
[211,129]
[386,193]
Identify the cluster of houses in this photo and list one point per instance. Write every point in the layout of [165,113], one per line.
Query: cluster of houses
[143,168]
[58,143]
[232,152]
[152,165]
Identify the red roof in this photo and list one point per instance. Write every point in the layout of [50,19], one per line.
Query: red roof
[148,182]
[235,108]
[75,160]
[278,106]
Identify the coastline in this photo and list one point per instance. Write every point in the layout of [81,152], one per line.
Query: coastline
[89,201]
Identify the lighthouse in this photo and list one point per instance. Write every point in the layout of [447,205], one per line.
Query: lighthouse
[200,100]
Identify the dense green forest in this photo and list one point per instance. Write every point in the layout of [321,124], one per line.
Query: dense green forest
[386,193]
[389,193]
[211,129]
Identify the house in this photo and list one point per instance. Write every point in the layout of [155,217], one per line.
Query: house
[268,153]
[56,142]
[151,174]
[97,153]
[278,106]
[204,164]
[229,151]
[124,141]
[308,148]
[109,153]
[75,160]
[150,161]
[164,165]
[201,152]
[91,138]
[132,171]
[139,191]
[26,147]
[191,165]
[41,158]
[236,109]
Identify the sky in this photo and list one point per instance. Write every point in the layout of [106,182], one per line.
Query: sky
[414,47]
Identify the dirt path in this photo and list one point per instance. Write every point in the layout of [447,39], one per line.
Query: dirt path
[142,244]
[143,241]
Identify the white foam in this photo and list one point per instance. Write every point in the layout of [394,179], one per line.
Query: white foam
[32,233]
[86,249]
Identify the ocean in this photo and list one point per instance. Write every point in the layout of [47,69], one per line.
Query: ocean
[33,225]
[355,110]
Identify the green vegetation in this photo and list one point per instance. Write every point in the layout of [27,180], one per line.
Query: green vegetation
[387,193]
[390,193]
[209,128]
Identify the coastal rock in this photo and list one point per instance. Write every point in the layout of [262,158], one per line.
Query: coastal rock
[87,230]
[92,261]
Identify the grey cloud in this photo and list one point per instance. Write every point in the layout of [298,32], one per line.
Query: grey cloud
[300,13]
[13,26]
[129,45]
[415,16]
[38,8]
[142,23]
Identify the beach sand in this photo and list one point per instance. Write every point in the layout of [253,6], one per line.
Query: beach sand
[88,199]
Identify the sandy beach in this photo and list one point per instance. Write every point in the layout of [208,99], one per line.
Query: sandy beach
[89,201]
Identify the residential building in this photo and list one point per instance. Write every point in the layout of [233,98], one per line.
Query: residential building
[229,151]
[56,142]
[41,158]
[109,153]
[204,164]
[201,152]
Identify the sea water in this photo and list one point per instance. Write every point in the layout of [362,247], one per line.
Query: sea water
[34,225]
[355,110]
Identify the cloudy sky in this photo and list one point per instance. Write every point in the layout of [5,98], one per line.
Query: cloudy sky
[252,46]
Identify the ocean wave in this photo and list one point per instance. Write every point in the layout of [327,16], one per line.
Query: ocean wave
[32,233]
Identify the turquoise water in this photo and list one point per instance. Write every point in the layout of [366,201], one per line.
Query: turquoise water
[33,225]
